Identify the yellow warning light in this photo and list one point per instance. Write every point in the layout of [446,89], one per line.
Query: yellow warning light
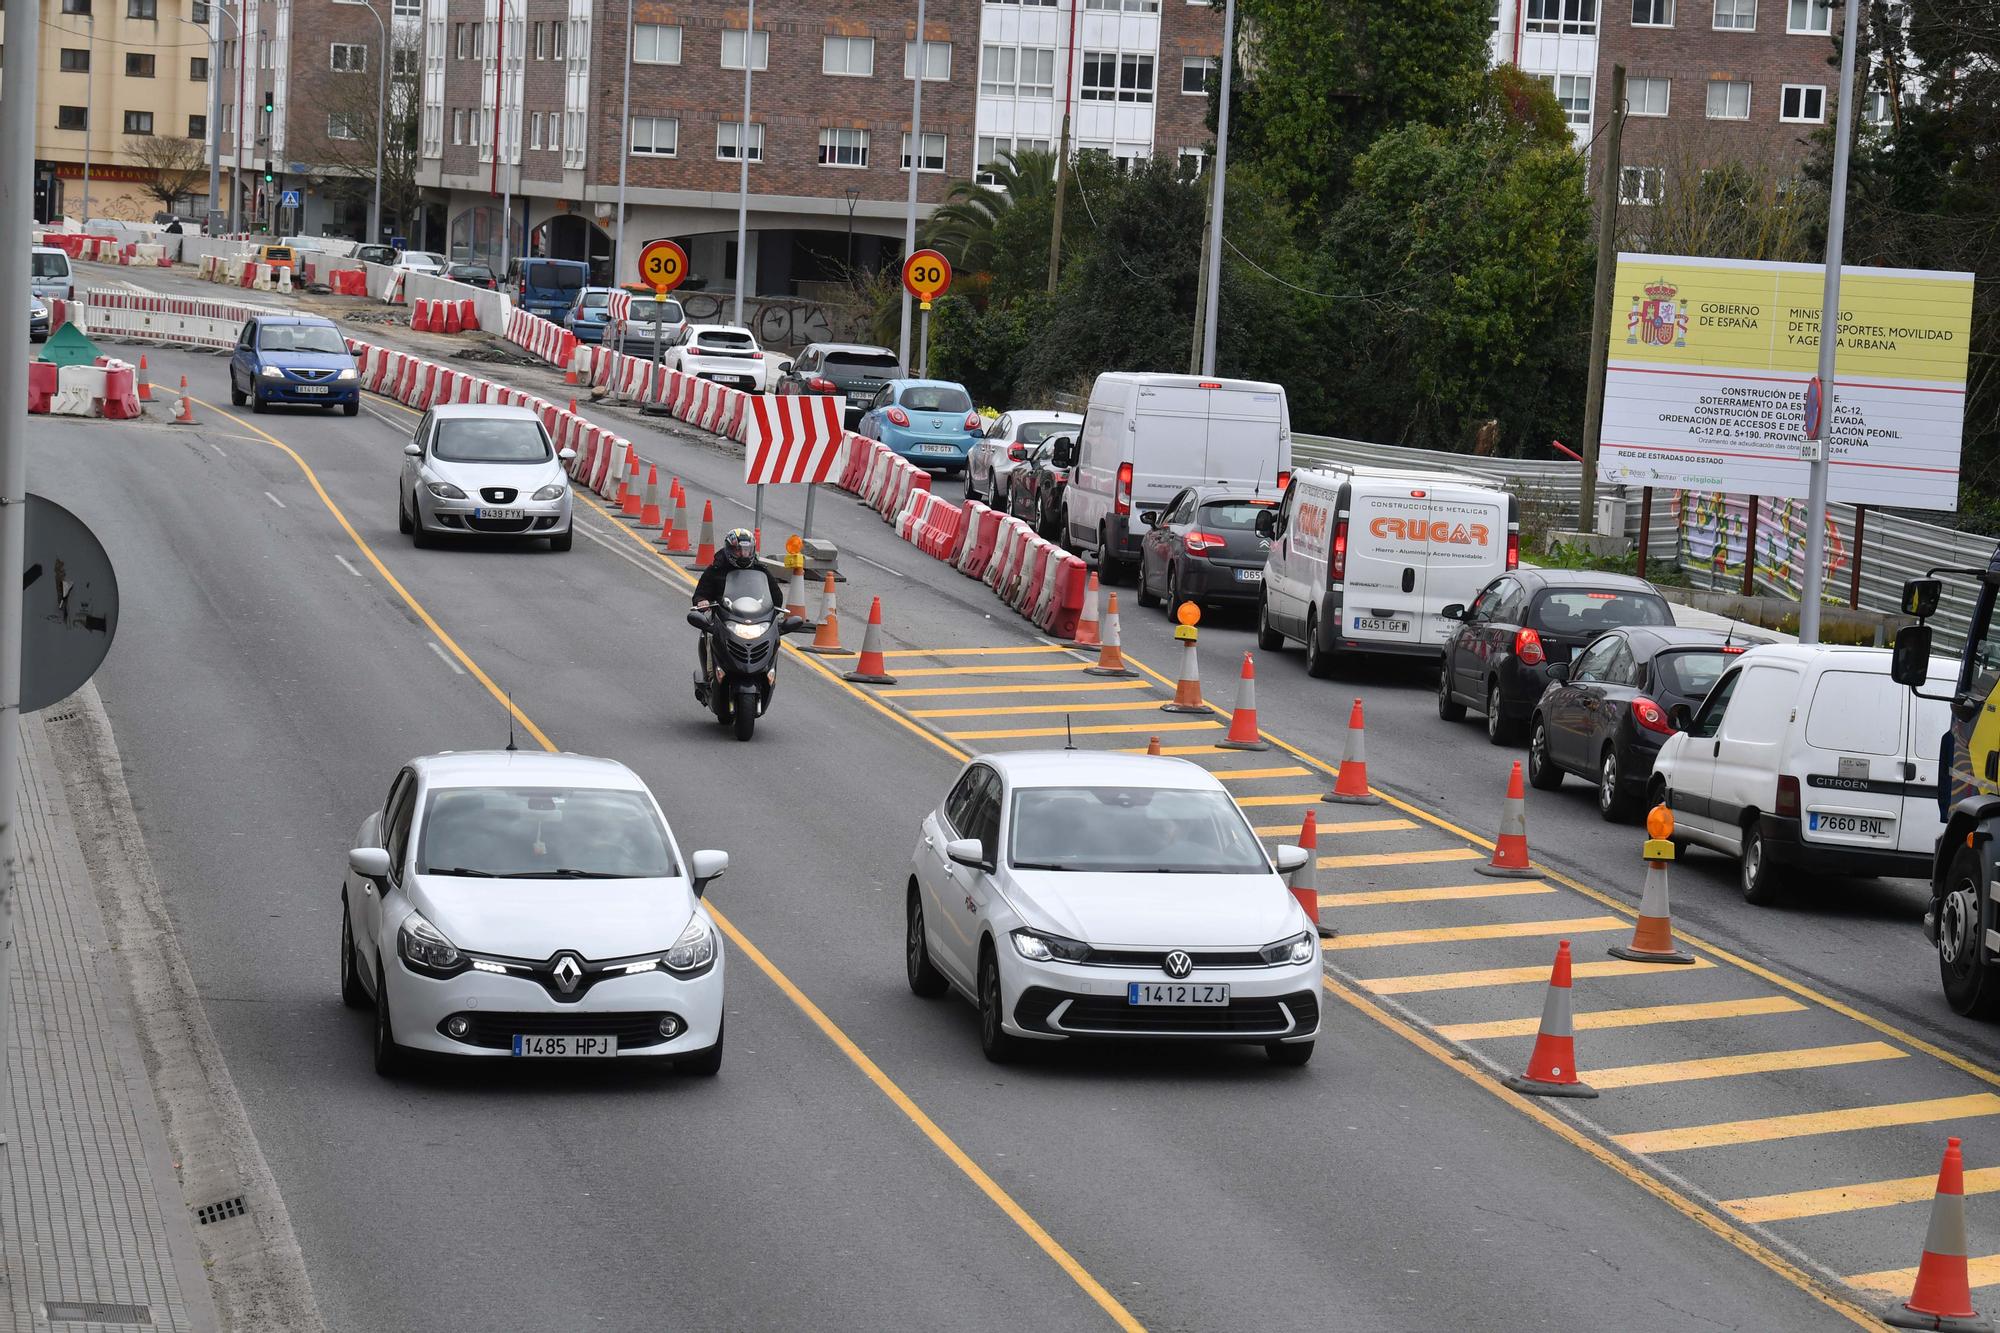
[1189,614]
[1660,823]
[794,544]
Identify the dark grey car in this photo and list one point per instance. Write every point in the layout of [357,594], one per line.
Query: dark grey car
[1202,547]
[854,369]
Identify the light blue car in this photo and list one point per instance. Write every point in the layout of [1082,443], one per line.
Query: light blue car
[590,314]
[929,422]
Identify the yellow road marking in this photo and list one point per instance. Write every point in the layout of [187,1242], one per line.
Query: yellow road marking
[1354,826]
[1246,774]
[1449,894]
[1183,750]
[1432,856]
[1311,799]
[1004,669]
[1425,982]
[1499,930]
[937,691]
[978,652]
[1767,1129]
[1981,1270]
[1853,1198]
[1130,706]
[1104,729]
[1643,1016]
[1730,1066]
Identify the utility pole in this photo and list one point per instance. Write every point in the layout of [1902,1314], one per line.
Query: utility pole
[1201,294]
[624,156]
[1829,339]
[1600,314]
[89,108]
[743,164]
[1212,299]
[916,156]
[216,13]
[1062,153]
[381,124]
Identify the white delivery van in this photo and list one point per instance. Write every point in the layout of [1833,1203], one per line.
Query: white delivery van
[1366,559]
[49,276]
[1146,437]
[1809,758]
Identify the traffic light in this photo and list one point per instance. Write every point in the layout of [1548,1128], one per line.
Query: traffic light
[267,178]
[269,105]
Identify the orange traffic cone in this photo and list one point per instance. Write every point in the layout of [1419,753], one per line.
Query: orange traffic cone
[1110,660]
[826,640]
[871,669]
[569,375]
[1305,880]
[1187,690]
[145,381]
[1510,853]
[1243,717]
[1350,786]
[1552,1066]
[795,594]
[1653,936]
[649,508]
[1942,1298]
[1087,635]
[676,532]
[1152,745]
[704,553]
[184,405]
[572,407]
[631,505]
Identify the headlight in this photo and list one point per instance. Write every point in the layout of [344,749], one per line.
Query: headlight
[1300,948]
[424,947]
[743,631]
[444,490]
[553,491]
[348,376]
[272,373]
[694,951]
[1038,947]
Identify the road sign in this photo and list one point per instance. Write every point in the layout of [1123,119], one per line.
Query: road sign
[289,199]
[663,266]
[927,274]
[69,605]
[1814,394]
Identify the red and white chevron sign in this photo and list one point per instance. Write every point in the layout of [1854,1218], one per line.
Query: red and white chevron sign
[791,438]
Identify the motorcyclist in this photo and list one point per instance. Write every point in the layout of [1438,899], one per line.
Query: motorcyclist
[737,551]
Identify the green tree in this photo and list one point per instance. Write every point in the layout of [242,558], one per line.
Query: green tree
[995,228]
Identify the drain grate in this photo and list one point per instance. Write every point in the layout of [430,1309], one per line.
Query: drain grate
[61,715]
[220,1212]
[96,1312]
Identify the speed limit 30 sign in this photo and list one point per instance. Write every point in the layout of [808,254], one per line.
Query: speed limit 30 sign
[663,266]
[927,275]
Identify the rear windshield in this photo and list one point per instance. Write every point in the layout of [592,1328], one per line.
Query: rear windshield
[596,300]
[863,360]
[657,312]
[1034,432]
[50,266]
[275,253]
[936,398]
[726,338]
[300,338]
[1691,673]
[473,271]
[554,275]
[1585,611]
[1240,515]
[490,441]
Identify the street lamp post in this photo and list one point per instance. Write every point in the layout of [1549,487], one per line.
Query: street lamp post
[381,124]
[216,13]
[624,154]
[743,173]
[916,151]
[853,197]
[1211,315]
[89,90]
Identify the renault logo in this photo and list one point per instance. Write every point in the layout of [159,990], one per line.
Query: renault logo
[567,972]
[1177,964]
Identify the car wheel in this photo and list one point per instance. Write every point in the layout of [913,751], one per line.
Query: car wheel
[1290,1054]
[1613,801]
[236,396]
[403,524]
[703,1064]
[1499,731]
[1971,982]
[257,403]
[390,1059]
[352,993]
[1268,639]
[971,490]
[925,979]
[350,409]
[1543,775]
[1762,880]
[1449,708]
[420,537]
[999,1045]
[1147,597]
[1319,662]
[563,540]
[1173,591]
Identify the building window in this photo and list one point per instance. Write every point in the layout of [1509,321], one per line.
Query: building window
[1127,6]
[732,49]
[1045,4]
[197,127]
[408,9]
[933,152]
[338,126]
[1647,97]
[459,40]
[229,117]
[198,14]
[655,136]
[656,44]
[1809,16]
[848,57]
[1736,15]
[138,122]
[844,148]
[76,6]
[349,58]
[535,129]
[138,66]
[1561,16]
[1110,77]
[75,60]
[1195,74]
[1573,93]
[1195,159]
[71,118]
[1802,103]
[1640,185]
[198,68]
[1024,71]
[541,41]
[937,61]
[1728,100]
[990,149]
[1652,13]
[406,60]
[142,9]
[458,125]
[555,132]
[729,134]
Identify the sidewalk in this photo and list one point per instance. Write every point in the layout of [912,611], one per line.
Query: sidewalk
[97,1235]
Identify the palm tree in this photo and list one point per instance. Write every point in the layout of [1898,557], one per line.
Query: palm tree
[963,226]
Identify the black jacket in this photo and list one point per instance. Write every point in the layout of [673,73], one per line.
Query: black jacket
[712,579]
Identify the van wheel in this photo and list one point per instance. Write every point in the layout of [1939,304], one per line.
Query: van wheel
[1971,981]
[1319,662]
[1268,639]
[1449,708]
[1763,881]
[1543,775]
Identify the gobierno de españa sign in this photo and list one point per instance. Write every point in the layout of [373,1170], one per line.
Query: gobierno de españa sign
[1710,360]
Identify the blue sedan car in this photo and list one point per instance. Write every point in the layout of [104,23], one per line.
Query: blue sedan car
[297,359]
[590,315]
[929,422]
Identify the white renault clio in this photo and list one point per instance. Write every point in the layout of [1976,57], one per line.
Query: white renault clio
[512,903]
[1107,896]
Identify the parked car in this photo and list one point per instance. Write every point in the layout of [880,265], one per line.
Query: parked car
[49,273]
[1524,624]
[422,261]
[589,315]
[300,360]
[482,469]
[649,320]
[473,275]
[929,422]
[38,319]
[853,370]
[1203,547]
[991,462]
[460,917]
[1809,757]
[1035,496]
[1074,895]
[278,256]
[375,254]
[724,353]
[1606,714]
[548,287]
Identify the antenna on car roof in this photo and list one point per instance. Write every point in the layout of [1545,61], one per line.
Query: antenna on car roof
[1069,737]
[510,721]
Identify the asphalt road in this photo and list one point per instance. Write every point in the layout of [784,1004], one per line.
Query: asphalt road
[266,683]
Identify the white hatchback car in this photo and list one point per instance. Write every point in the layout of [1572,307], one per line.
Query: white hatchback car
[724,353]
[1108,896]
[1009,443]
[514,903]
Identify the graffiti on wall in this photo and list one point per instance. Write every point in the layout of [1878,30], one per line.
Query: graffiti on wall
[1715,532]
[788,322]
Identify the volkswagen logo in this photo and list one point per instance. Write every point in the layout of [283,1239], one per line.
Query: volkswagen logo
[1177,964]
[567,972]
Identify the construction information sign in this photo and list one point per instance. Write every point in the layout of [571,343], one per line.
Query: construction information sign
[1710,360]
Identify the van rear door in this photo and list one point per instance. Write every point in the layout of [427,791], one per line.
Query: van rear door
[1169,443]
[1388,554]
[1249,442]
[1467,549]
[1851,765]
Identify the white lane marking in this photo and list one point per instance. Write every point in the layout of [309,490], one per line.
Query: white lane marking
[348,565]
[218,448]
[624,551]
[877,563]
[275,500]
[444,656]
[398,426]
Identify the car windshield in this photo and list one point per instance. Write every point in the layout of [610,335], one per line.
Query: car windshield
[1585,611]
[936,398]
[657,312]
[301,338]
[1234,515]
[595,300]
[1034,432]
[1692,673]
[863,360]
[734,339]
[50,266]
[423,257]
[1132,830]
[490,440]
[554,275]
[543,833]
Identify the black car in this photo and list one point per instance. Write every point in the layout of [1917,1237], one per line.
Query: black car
[1524,623]
[1203,547]
[853,369]
[1035,495]
[473,275]
[1606,713]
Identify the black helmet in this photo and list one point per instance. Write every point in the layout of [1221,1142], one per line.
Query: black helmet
[739,545]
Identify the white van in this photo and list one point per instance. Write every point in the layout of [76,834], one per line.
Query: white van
[1809,757]
[1147,437]
[1366,559]
[49,275]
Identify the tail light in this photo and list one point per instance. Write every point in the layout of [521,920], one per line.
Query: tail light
[897,416]
[1731,649]
[1122,500]
[1284,480]
[1018,452]
[1201,543]
[818,385]
[1339,571]
[1648,715]
[693,350]
[756,356]
[1513,550]
[1788,796]
[1528,648]
[974,422]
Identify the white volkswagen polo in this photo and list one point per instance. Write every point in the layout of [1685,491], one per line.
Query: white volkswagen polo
[512,903]
[1097,895]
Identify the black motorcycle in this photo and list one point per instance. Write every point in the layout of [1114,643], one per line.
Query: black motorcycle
[739,659]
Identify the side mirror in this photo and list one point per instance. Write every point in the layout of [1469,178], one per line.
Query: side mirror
[793,625]
[565,455]
[1150,517]
[413,449]
[1452,610]
[1064,454]
[369,862]
[1681,717]
[1267,524]
[1910,659]
[1559,671]
[707,867]
[966,852]
[1920,599]
[698,618]
[784,367]
[1289,858]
